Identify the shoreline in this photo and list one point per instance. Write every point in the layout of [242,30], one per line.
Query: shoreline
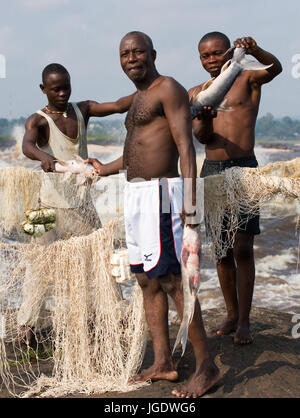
[267,368]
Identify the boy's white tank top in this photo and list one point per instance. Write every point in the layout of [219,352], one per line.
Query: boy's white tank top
[54,191]
[60,145]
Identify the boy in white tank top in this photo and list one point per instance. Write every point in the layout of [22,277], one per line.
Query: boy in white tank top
[58,131]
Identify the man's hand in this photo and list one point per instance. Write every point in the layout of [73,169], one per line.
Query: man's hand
[248,43]
[48,163]
[98,166]
[207,113]
[185,217]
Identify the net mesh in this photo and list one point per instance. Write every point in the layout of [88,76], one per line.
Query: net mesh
[244,191]
[65,326]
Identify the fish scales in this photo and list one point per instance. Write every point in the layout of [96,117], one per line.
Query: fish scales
[190,273]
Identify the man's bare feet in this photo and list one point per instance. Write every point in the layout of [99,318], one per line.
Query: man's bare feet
[156,373]
[227,327]
[242,335]
[200,382]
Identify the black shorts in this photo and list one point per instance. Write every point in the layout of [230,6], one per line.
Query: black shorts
[247,224]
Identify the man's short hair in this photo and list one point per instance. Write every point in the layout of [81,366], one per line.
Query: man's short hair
[146,38]
[53,68]
[215,35]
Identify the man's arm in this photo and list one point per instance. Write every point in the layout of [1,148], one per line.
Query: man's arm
[203,123]
[108,108]
[260,76]
[30,148]
[175,101]
[103,170]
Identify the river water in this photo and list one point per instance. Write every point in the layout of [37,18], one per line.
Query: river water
[277,283]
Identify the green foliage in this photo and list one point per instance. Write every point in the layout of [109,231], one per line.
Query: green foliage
[286,128]
[113,131]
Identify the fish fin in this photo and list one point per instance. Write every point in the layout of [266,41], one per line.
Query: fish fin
[221,107]
[62,162]
[225,66]
[79,159]
[253,65]
[232,48]
[206,85]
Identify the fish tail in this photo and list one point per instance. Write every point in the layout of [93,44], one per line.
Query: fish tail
[182,337]
[239,57]
[253,65]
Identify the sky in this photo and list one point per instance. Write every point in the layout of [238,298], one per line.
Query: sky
[84,36]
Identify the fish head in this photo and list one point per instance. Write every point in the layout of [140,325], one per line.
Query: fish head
[238,54]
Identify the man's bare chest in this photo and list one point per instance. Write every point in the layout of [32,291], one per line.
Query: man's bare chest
[144,110]
[241,94]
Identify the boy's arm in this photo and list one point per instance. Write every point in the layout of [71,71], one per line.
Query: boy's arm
[108,108]
[203,122]
[29,145]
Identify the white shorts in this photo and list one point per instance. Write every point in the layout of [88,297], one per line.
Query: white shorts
[153,225]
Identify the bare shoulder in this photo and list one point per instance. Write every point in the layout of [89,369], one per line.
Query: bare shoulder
[170,88]
[35,121]
[246,82]
[170,82]
[193,91]
[84,106]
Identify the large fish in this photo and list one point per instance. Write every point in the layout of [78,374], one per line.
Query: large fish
[85,171]
[190,273]
[213,95]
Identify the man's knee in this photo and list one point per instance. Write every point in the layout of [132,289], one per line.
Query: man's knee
[243,248]
[170,283]
[146,284]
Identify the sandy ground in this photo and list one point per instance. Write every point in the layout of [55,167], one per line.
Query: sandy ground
[268,368]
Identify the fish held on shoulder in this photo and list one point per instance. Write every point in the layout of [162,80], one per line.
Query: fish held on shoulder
[213,95]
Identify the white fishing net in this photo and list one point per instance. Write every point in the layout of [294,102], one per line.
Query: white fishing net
[244,191]
[65,326]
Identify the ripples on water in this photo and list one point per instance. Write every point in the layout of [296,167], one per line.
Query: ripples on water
[277,284]
[276,252]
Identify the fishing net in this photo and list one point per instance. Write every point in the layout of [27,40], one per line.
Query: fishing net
[65,326]
[244,191]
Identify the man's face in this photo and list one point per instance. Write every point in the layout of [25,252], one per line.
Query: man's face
[136,57]
[212,55]
[57,87]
